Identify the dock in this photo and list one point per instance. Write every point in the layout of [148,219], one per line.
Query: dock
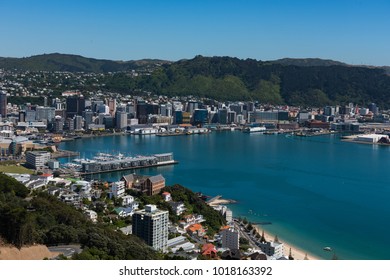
[127,168]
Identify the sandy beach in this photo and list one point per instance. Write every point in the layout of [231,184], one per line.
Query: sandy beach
[297,253]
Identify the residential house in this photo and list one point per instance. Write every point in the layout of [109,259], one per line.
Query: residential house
[177,207]
[92,215]
[196,230]
[209,251]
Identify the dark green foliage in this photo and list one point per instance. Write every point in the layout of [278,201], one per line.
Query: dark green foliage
[214,220]
[22,100]
[10,185]
[312,84]
[73,63]
[45,219]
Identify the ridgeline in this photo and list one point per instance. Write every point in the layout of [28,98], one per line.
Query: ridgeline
[303,82]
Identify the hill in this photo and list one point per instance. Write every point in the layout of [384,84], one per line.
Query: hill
[307,62]
[75,63]
[43,219]
[317,83]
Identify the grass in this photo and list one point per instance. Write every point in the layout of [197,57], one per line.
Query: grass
[15,169]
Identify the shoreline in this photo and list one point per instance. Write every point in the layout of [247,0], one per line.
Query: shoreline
[296,252]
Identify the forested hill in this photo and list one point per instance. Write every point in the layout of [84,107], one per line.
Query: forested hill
[75,63]
[43,219]
[306,82]
[226,78]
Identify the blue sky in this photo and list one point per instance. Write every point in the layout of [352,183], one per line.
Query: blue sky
[355,32]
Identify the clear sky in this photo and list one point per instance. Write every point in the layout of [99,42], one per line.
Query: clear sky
[354,31]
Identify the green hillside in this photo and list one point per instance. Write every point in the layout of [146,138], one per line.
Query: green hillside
[74,63]
[226,78]
[43,219]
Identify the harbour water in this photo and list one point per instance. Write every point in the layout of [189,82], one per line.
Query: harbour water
[315,191]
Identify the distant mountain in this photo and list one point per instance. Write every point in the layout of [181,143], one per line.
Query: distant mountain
[308,62]
[75,63]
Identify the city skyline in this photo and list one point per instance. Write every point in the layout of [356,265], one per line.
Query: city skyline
[347,31]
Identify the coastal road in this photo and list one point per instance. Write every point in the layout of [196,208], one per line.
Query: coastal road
[243,233]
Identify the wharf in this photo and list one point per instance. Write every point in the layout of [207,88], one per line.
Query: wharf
[128,168]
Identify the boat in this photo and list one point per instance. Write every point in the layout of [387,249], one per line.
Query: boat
[254,129]
[327,249]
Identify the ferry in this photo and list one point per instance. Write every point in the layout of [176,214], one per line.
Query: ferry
[255,129]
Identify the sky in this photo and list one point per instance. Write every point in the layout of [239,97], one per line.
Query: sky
[351,31]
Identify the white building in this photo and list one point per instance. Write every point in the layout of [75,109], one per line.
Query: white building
[230,238]
[92,215]
[37,159]
[127,200]
[151,225]
[117,189]
[371,138]
[274,248]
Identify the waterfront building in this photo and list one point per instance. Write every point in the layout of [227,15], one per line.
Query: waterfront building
[178,117]
[3,104]
[270,116]
[231,117]
[371,138]
[200,117]
[273,248]
[151,225]
[78,122]
[223,116]
[58,125]
[37,159]
[186,118]
[88,118]
[230,238]
[121,120]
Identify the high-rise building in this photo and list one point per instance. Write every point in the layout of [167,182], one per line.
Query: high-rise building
[78,122]
[200,117]
[111,103]
[37,159]
[75,105]
[120,120]
[151,225]
[222,116]
[45,113]
[230,238]
[88,118]
[3,104]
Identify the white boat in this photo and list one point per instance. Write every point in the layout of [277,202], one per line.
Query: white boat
[255,129]
[327,249]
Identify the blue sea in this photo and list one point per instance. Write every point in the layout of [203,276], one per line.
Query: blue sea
[315,191]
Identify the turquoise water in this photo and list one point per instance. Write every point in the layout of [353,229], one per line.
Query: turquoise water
[316,191]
